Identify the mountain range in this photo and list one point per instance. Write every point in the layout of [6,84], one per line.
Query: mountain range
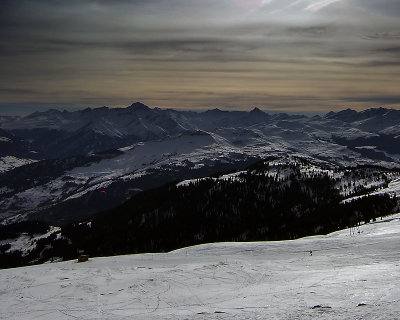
[62,166]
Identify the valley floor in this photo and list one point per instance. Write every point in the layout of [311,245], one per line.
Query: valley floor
[351,274]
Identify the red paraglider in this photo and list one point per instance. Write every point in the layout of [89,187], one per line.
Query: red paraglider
[103,192]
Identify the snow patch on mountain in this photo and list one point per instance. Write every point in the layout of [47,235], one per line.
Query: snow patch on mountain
[5,139]
[225,177]
[10,162]
[393,189]
[26,242]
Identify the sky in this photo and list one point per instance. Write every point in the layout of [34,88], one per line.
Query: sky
[277,55]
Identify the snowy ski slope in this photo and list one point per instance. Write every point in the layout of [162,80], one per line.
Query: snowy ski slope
[351,274]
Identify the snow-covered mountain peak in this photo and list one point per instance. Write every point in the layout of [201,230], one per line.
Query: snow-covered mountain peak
[372,112]
[215,111]
[256,110]
[347,115]
[350,115]
[62,134]
[138,106]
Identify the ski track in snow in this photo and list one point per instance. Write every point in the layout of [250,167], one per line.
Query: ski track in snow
[260,280]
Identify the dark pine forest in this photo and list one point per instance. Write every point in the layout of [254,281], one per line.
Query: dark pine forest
[251,206]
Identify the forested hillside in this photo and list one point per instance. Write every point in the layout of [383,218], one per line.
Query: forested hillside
[271,200]
[246,207]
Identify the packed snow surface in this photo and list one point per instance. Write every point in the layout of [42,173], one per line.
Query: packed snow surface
[351,274]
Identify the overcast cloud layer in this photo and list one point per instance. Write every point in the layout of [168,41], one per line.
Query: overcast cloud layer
[293,55]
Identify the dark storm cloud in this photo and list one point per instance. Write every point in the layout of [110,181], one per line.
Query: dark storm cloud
[55,26]
[380,63]
[232,42]
[395,50]
[394,35]
[382,100]
[311,31]
[18,91]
